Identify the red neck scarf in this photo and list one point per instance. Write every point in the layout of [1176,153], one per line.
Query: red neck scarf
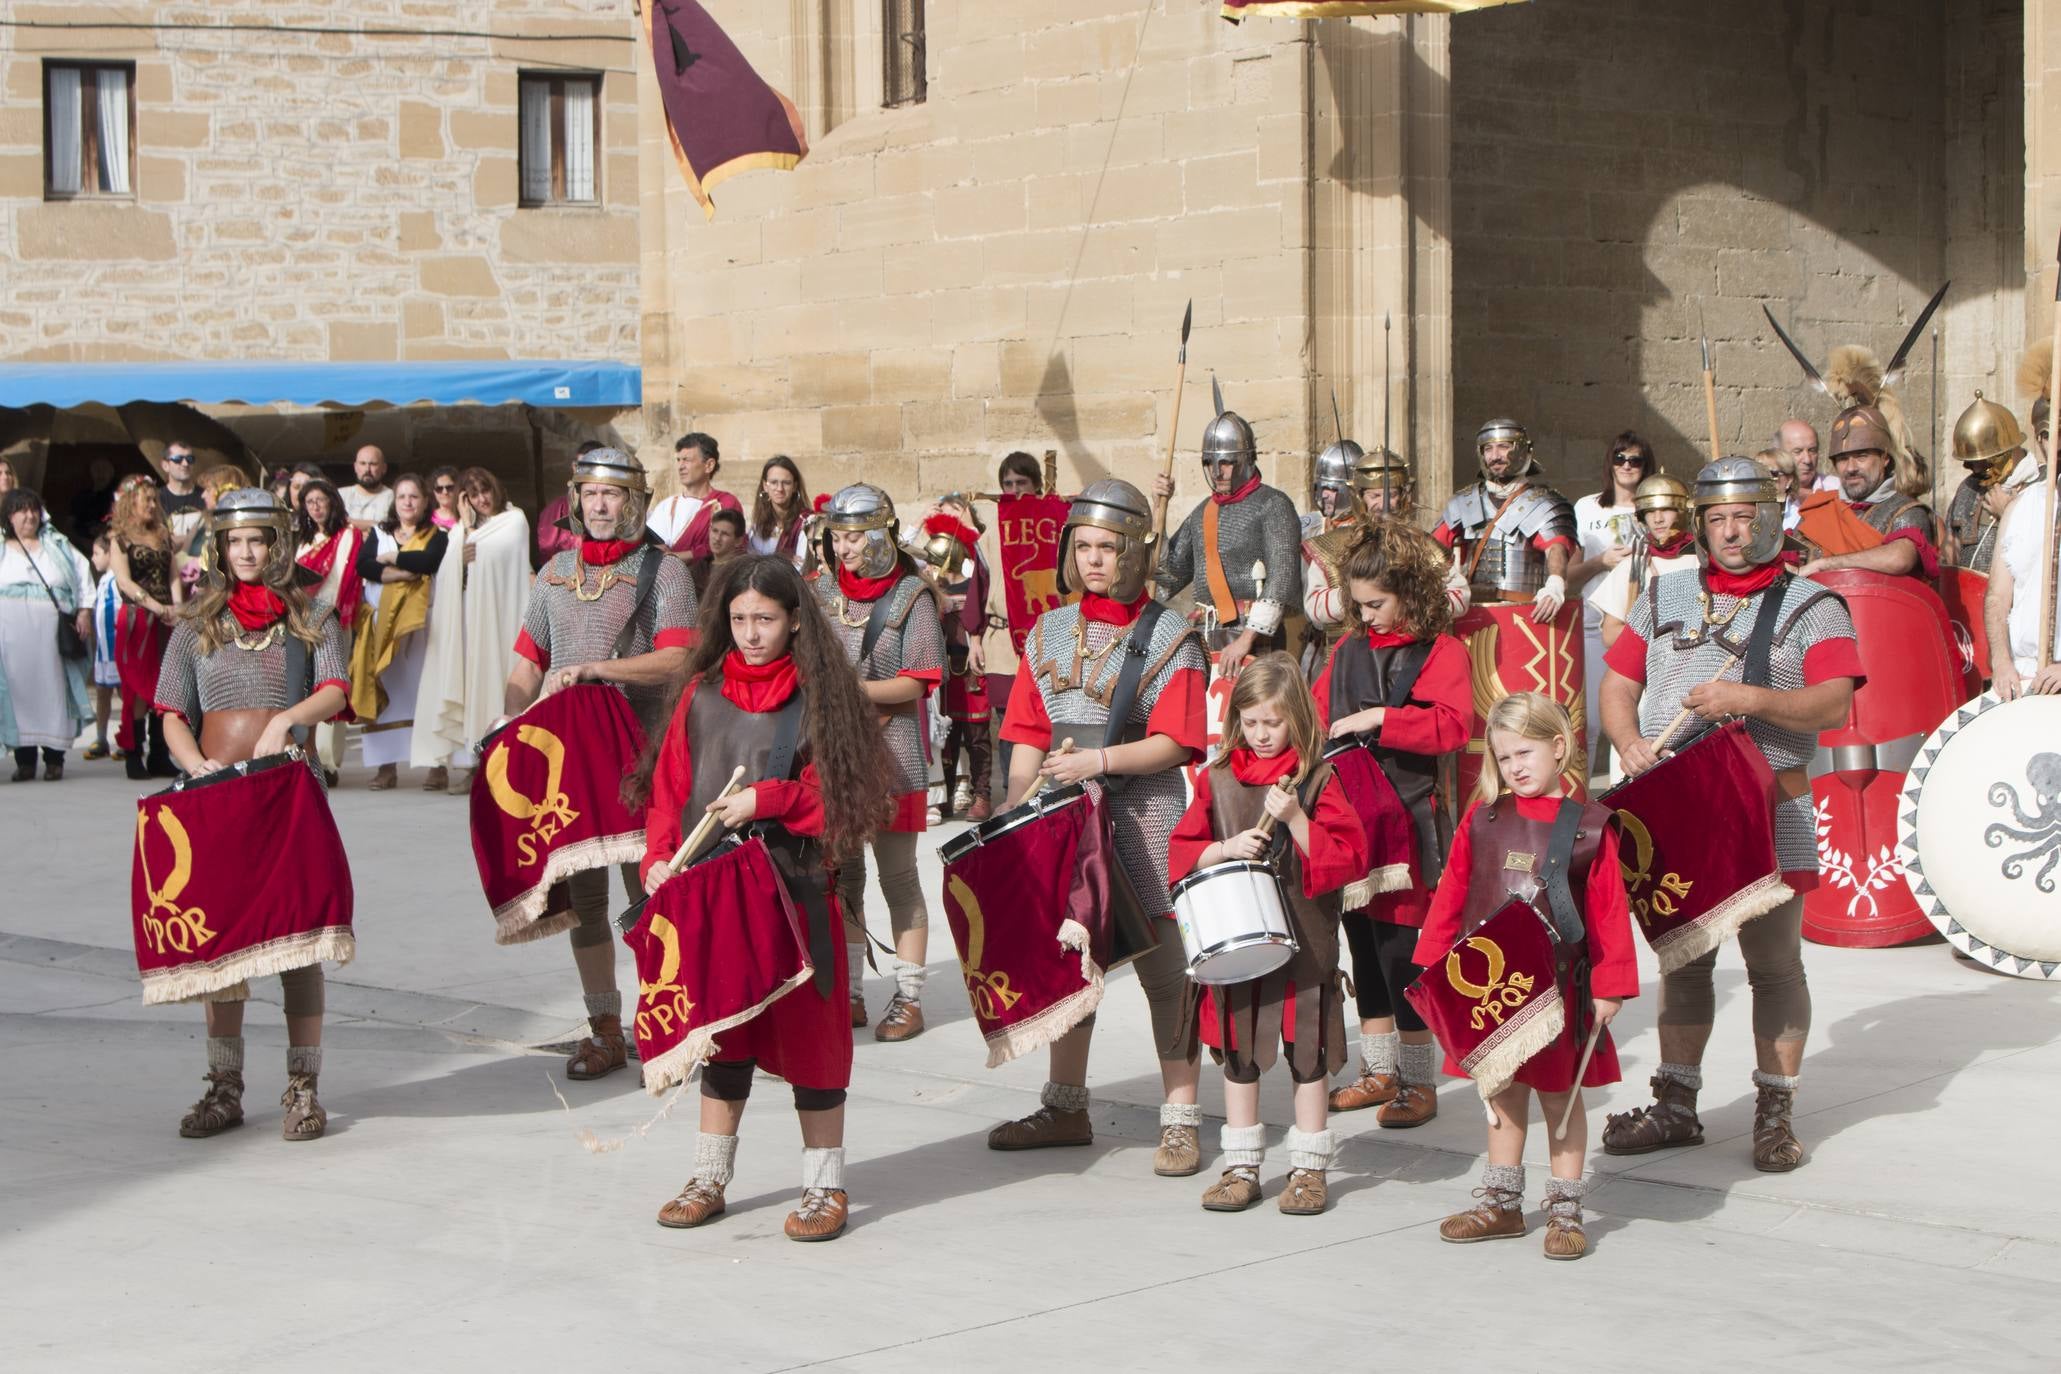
[1107,611]
[1741,584]
[856,588]
[759,688]
[255,605]
[1388,639]
[601,553]
[1543,808]
[1674,544]
[1254,771]
[1225,499]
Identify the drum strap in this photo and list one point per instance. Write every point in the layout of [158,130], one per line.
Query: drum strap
[1409,665]
[876,626]
[1761,643]
[647,578]
[808,883]
[1137,648]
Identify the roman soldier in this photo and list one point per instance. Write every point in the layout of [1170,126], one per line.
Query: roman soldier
[886,616]
[1511,535]
[617,610]
[1695,638]
[1881,478]
[1245,536]
[950,549]
[1987,442]
[1375,484]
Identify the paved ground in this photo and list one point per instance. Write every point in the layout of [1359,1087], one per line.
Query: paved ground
[451,1217]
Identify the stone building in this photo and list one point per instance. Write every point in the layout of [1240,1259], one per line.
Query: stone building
[1552,204]
[397,182]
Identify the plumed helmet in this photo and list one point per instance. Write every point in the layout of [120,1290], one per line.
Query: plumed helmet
[1734,480]
[1333,470]
[863,506]
[1662,492]
[1115,505]
[249,508]
[1859,429]
[1505,430]
[1229,439]
[615,468]
[1987,441]
[945,545]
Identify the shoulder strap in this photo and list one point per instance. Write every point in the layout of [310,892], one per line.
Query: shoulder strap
[786,738]
[1410,663]
[1762,641]
[1488,531]
[647,578]
[876,626]
[1137,645]
[300,677]
[1563,913]
[31,559]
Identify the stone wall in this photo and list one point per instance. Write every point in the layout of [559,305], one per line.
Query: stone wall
[321,197]
[1629,178]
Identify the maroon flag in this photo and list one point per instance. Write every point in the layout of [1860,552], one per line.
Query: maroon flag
[1494,1001]
[237,875]
[1235,10]
[1027,528]
[548,804]
[721,116]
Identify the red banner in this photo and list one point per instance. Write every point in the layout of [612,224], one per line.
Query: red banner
[1391,833]
[1027,528]
[1030,911]
[716,946]
[237,875]
[548,804]
[1494,1000]
[1692,883]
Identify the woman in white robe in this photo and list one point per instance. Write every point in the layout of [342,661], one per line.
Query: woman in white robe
[486,574]
[43,701]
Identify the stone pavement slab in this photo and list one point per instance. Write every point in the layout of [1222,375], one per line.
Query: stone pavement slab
[452,1216]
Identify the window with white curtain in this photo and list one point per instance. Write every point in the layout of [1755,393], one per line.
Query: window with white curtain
[560,136]
[89,129]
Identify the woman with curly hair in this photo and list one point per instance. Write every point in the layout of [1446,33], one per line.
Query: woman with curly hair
[763,641]
[141,557]
[1400,684]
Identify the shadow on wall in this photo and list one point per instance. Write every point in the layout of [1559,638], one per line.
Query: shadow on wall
[1626,180]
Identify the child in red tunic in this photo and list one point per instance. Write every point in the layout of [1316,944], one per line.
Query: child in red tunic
[1500,850]
[1268,766]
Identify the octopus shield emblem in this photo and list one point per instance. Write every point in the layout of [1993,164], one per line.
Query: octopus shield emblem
[2035,833]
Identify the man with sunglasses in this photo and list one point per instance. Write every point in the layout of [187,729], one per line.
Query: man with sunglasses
[185,511]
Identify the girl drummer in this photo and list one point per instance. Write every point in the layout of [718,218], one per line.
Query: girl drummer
[1268,767]
[226,667]
[1530,741]
[1401,683]
[769,642]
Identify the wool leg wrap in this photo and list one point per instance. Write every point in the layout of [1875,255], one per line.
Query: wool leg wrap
[1180,1114]
[1786,1082]
[715,1158]
[304,1059]
[1564,1197]
[1064,1097]
[1378,1053]
[225,1054]
[909,980]
[1507,1179]
[1420,1063]
[823,1168]
[1689,1076]
[604,1004]
[1244,1147]
[1311,1149]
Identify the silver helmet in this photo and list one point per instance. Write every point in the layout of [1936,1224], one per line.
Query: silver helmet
[1333,472]
[1229,440]
[615,468]
[863,506]
[249,508]
[1735,480]
[1505,430]
[1115,505]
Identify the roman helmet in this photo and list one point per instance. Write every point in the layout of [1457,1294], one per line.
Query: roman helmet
[945,546]
[1383,469]
[1662,492]
[1115,505]
[1229,439]
[863,506]
[1333,471]
[253,508]
[1988,442]
[615,468]
[1732,480]
[1524,461]
[1859,429]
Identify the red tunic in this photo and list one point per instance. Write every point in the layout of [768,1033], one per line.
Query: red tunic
[1437,719]
[804,1038]
[1613,956]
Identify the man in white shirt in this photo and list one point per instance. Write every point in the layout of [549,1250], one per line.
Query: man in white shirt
[1799,440]
[2011,611]
[371,500]
[681,521]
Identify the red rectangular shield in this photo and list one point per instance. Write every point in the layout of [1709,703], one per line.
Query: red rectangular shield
[548,804]
[237,875]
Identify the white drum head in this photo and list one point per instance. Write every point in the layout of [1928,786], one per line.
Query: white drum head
[1979,832]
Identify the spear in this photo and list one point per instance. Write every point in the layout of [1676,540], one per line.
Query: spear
[1387,399]
[2043,646]
[1710,401]
[1173,425]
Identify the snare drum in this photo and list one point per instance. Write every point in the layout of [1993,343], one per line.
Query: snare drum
[1233,922]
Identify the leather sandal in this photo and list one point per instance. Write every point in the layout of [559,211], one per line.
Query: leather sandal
[219,1108]
[1670,1122]
[858,1011]
[696,1204]
[1368,1090]
[903,1020]
[1305,1193]
[1179,1154]
[1237,1190]
[601,1053]
[1413,1105]
[305,1118]
[1776,1150]
[385,780]
[821,1216]
[1044,1129]
[436,780]
[1496,1217]
[1565,1239]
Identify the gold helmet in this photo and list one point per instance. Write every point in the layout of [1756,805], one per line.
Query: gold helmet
[945,545]
[1987,441]
[1662,492]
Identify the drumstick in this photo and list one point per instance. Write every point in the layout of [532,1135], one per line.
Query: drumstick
[1567,1113]
[706,823]
[1684,714]
[1065,747]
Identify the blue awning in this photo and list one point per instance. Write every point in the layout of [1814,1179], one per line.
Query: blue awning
[537,382]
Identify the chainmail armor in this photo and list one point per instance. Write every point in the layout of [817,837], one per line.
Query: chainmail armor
[1262,527]
[193,682]
[572,631]
[912,640]
[1683,653]
[1145,809]
[1895,511]
[1975,533]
